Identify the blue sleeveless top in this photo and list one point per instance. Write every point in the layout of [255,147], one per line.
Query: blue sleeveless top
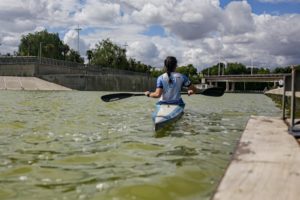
[171,91]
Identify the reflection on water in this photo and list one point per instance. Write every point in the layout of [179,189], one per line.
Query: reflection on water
[71,145]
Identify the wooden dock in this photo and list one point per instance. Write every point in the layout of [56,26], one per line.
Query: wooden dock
[265,166]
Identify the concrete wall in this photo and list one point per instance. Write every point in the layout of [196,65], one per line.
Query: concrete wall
[76,76]
[17,70]
[46,69]
[103,82]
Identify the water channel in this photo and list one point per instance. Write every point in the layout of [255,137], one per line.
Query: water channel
[71,145]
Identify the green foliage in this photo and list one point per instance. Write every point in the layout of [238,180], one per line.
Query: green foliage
[73,56]
[137,66]
[235,68]
[49,45]
[190,71]
[282,70]
[156,73]
[89,54]
[263,71]
[214,70]
[108,54]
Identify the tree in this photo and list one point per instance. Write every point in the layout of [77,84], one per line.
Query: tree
[156,72]
[235,68]
[73,56]
[65,49]
[190,71]
[214,70]
[263,71]
[108,54]
[282,70]
[89,54]
[50,44]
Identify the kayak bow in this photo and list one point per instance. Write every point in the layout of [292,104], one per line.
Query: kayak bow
[166,114]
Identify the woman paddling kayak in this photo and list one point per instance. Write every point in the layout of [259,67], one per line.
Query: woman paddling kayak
[168,87]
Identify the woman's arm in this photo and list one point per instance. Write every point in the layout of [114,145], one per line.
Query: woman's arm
[192,89]
[158,92]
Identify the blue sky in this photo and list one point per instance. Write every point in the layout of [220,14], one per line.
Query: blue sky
[258,7]
[197,32]
[277,8]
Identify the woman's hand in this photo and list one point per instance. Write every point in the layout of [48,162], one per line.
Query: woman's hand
[158,92]
[147,93]
[190,92]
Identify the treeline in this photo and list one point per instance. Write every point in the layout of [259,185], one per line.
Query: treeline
[108,54]
[47,45]
[105,54]
[189,70]
[239,68]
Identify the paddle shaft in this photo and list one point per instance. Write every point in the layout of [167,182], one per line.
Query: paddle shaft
[214,91]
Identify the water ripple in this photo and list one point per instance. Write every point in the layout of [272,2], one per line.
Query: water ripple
[59,145]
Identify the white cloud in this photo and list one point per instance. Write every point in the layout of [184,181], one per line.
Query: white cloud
[71,38]
[187,19]
[145,50]
[149,14]
[238,18]
[97,12]
[196,32]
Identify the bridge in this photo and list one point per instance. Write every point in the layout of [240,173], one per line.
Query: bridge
[230,80]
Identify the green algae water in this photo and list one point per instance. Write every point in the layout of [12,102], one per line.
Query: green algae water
[71,145]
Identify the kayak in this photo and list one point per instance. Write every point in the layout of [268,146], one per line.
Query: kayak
[165,114]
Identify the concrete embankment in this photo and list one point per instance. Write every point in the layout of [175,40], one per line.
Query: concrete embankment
[105,82]
[265,164]
[276,95]
[75,75]
[27,83]
[279,92]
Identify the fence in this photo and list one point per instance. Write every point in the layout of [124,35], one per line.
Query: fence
[292,83]
[65,66]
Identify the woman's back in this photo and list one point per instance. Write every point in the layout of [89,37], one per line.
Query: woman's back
[172,89]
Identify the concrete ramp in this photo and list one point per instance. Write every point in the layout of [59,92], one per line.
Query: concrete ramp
[27,83]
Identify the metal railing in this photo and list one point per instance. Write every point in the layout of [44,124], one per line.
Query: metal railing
[86,69]
[292,83]
[246,75]
[20,60]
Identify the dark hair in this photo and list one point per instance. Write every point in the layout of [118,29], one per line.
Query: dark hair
[170,65]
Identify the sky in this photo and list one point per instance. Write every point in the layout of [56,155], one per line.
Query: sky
[260,33]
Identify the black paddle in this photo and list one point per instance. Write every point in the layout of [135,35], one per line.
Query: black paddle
[213,92]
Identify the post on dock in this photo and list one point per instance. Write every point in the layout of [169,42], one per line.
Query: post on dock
[293,97]
[284,97]
[294,128]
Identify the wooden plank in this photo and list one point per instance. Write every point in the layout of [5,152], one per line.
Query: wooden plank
[266,164]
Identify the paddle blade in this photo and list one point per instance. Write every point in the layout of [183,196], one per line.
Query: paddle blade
[213,91]
[118,96]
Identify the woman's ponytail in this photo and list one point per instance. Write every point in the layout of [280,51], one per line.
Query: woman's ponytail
[170,65]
